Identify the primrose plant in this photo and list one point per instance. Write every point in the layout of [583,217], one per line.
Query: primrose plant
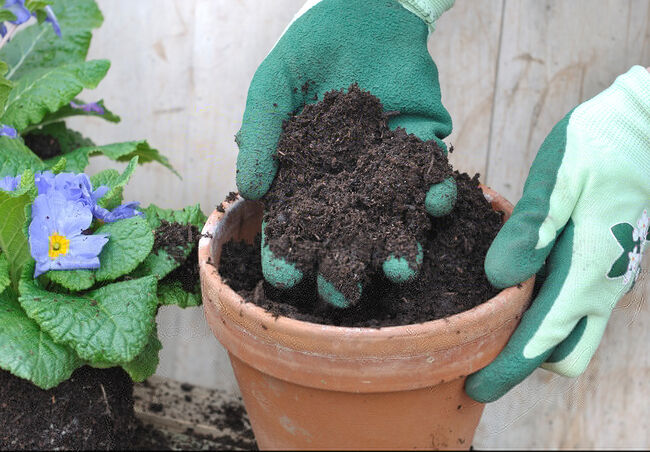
[82,274]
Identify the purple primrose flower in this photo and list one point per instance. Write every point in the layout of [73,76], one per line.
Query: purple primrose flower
[78,188]
[9,183]
[91,107]
[51,18]
[119,213]
[19,9]
[23,14]
[8,131]
[56,234]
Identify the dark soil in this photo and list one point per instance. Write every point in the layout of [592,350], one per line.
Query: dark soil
[230,198]
[349,191]
[174,238]
[90,411]
[451,280]
[45,146]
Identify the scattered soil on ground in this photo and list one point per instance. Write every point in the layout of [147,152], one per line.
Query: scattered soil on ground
[452,278]
[349,191]
[93,410]
[174,238]
[45,146]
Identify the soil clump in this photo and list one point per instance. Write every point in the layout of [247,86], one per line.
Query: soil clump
[349,191]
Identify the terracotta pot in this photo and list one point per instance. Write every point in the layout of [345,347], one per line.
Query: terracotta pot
[310,386]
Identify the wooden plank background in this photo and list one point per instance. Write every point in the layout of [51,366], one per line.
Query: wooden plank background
[509,70]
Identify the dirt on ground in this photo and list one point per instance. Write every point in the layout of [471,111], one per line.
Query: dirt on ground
[93,410]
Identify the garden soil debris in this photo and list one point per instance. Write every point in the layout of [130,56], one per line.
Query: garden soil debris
[43,145]
[93,410]
[452,278]
[349,191]
[174,238]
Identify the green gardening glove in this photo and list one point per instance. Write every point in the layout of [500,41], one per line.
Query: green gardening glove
[585,208]
[379,44]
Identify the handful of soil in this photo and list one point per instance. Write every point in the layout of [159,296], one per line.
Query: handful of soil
[350,191]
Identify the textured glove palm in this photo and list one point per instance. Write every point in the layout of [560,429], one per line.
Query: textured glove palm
[378,44]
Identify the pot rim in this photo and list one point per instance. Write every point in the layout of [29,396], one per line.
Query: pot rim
[298,335]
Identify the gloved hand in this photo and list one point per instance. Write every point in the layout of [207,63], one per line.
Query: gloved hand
[585,207]
[381,45]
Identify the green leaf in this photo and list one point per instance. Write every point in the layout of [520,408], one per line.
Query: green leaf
[38,47]
[45,91]
[5,279]
[15,157]
[145,364]
[123,152]
[116,183]
[5,85]
[67,112]
[69,140]
[6,15]
[28,352]
[172,293]
[130,242]
[188,215]
[74,280]
[14,215]
[59,167]
[33,5]
[110,324]
[158,264]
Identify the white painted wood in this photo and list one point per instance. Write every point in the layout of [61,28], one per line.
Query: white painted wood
[509,71]
[465,47]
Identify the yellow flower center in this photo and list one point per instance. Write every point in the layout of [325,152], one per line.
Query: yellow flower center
[59,245]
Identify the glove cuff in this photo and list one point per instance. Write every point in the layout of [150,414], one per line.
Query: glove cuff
[428,10]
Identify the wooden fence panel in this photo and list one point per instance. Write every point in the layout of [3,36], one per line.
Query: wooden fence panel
[509,70]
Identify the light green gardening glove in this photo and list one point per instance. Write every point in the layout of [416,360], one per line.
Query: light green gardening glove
[585,207]
[379,44]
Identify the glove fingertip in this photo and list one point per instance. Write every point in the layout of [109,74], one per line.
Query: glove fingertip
[441,198]
[399,270]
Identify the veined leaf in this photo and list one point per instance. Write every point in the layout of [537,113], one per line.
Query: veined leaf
[130,242]
[29,352]
[116,182]
[44,91]
[38,47]
[15,157]
[123,152]
[68,111]
[14,215]
[5,279]
[5,85]
[74,280]
[173,293]
[188,215]
[159,264]
[110,324]
[6,15]
[145,364]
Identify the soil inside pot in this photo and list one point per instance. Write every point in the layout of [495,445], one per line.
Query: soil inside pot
[91,410]
[349,191]
[451,280]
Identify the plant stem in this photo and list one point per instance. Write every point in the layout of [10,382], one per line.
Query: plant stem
[11,30]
